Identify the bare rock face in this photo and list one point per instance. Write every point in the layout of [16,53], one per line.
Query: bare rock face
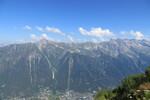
[82,67]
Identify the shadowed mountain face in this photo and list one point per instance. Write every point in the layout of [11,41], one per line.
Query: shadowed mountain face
[82,67]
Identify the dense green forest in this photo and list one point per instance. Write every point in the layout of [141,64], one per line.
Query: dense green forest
[135,87]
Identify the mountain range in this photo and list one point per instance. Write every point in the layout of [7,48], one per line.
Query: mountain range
[81,67]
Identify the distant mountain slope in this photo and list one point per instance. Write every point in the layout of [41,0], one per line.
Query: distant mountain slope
[82,67]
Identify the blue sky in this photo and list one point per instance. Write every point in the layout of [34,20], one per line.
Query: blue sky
[73,20]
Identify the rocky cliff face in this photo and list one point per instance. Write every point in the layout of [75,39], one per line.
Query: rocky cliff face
[82,67]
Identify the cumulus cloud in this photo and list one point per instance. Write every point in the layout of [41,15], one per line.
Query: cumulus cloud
[96,32]
[39,28]
[94,40]
[81,40]
[27,28]
[20,41]
[34,37]
[123,32]
[55,30]
[70,38]
[137,34]
[43,36]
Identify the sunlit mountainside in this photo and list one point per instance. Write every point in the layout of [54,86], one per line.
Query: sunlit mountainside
[81,67]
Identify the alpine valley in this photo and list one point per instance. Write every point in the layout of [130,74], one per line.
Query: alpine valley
[27,68]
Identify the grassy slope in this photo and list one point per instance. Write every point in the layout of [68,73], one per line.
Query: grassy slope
[128,89]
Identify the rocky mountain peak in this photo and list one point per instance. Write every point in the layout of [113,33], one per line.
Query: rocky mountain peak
[80,67]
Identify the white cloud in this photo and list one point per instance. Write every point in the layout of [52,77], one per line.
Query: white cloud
[81,40]
[137,34]
[43,36]
[97,32]
[27,28]
[34,37]
[70,38]
[123,32]
[55,30]
[94,40]
[20,41]
[39,28]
